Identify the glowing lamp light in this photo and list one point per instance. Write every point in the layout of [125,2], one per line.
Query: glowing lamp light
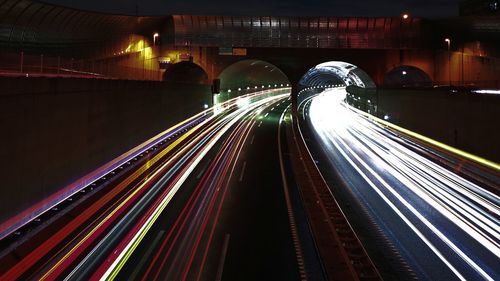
[386,117]
[205,106]
[155,37]
[406,16]
[404,72]
[488,92]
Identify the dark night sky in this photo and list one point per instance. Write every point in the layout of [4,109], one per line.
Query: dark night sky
[423,8]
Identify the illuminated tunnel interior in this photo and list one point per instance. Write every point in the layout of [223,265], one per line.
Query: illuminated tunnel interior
[407,76]
[185,72]
[334,73]
[251,75]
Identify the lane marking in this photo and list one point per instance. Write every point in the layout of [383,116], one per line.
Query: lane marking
[203,169]
[291,217]
[253,137]
[220,268]
[243,171]
[146,255]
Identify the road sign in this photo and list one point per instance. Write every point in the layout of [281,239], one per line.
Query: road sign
[225,51]
[239,51]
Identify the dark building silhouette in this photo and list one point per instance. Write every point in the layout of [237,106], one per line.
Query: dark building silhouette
[479,7]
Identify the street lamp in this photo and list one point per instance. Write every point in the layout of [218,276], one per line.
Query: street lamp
[155,37]
[448,42]
[404,22]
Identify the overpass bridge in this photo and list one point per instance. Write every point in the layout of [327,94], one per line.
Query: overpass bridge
[378,45]
[38,37]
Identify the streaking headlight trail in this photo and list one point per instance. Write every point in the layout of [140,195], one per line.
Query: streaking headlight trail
[454,217]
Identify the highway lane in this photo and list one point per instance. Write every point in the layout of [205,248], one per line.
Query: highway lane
[444,225]
[234,225]
[255,217]
[192,227]
[130,191]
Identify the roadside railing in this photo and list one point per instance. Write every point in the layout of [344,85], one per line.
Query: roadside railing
[21,64]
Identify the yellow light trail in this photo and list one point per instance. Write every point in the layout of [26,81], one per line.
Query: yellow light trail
[453,150]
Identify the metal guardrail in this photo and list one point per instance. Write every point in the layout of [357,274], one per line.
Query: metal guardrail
[342,253]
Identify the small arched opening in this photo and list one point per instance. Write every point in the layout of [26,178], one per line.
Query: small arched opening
[185,72]
[407,76]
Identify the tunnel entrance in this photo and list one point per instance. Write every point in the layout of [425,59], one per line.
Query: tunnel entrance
[407,76]
[252,73]
[329,75]
[249,76]
[185,72]
[335,73]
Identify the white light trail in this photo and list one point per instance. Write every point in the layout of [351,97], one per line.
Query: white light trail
[377,156]
[234,117]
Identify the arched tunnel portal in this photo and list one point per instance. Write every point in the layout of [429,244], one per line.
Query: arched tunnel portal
[331,74]
[335,72]
[185,72]
[250,75]
[407,76]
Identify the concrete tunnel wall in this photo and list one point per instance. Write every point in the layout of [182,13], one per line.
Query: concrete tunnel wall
[56,130]
[463,120]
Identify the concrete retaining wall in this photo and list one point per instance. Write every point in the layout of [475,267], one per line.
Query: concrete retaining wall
[467,121]
[55,130]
